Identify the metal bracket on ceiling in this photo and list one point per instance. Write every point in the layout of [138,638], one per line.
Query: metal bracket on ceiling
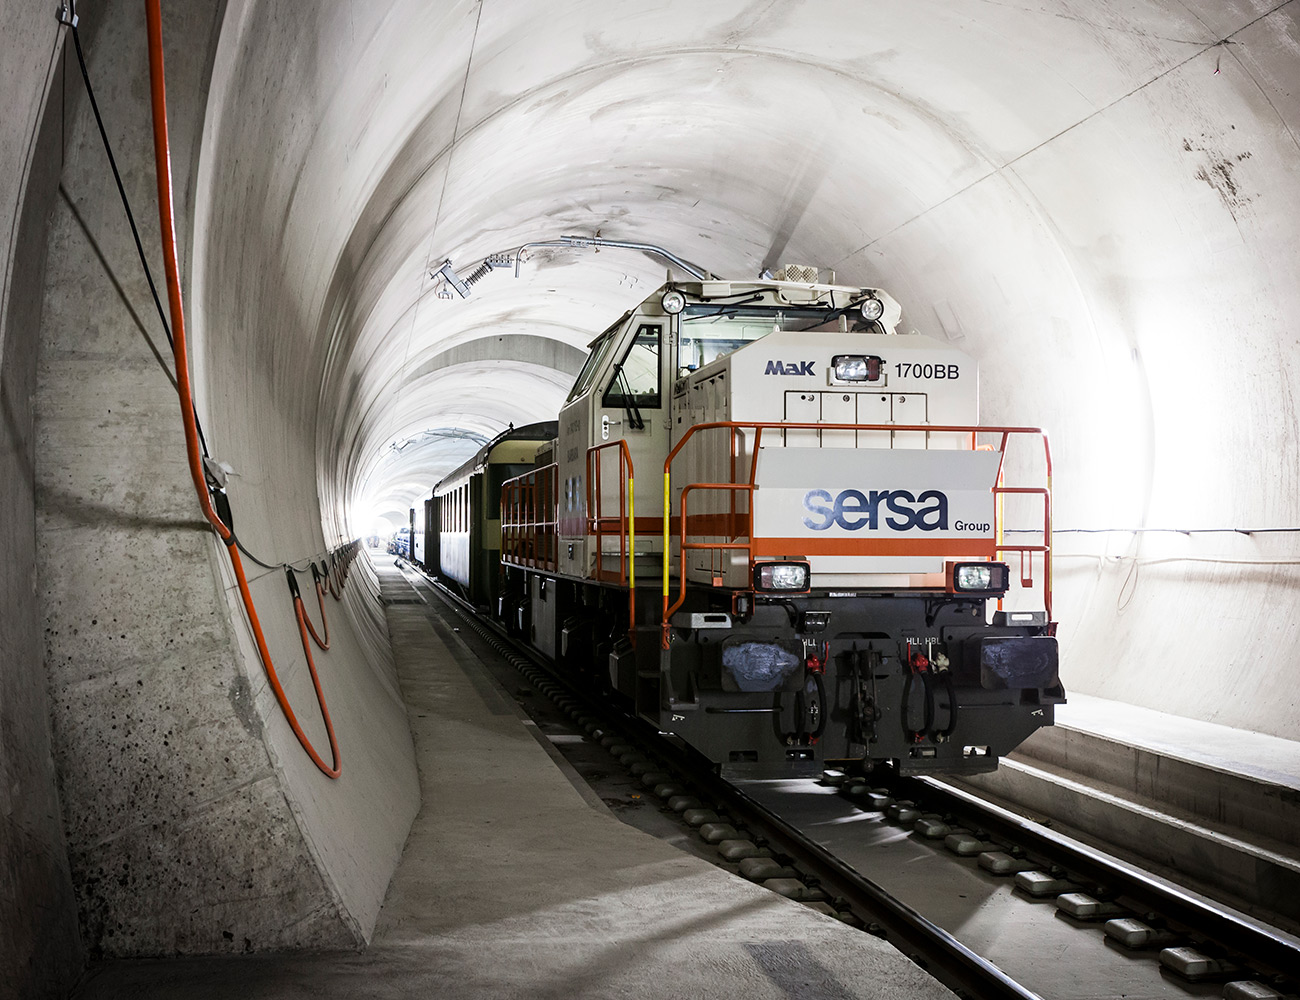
[513,258]
[463,285]
[598,242]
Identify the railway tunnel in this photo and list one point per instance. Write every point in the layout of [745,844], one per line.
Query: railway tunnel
[1094,200]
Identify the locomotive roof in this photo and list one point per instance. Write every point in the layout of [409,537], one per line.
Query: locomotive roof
[725,286]
[771,293]
[543,430]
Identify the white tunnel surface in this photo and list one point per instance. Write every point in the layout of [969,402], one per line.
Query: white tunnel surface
[1073,194]
[1097,200]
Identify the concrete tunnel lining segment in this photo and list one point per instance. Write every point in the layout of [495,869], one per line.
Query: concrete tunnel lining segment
[1095,202]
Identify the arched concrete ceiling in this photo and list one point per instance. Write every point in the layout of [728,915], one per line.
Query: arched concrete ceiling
[1095,200]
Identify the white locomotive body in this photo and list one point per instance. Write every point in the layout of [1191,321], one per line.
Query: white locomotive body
[775,525]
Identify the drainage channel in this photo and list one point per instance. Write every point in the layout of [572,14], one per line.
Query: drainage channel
[892,856]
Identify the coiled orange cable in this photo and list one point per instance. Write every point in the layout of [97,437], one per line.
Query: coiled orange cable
[162,162]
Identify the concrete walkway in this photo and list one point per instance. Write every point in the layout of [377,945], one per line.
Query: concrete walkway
[513,884]
[1257,756]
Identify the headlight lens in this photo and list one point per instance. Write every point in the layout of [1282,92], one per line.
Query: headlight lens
[673,302]
[781,576]
[856,367]
[973,578]
[850,368]
[980,578]
[871,309]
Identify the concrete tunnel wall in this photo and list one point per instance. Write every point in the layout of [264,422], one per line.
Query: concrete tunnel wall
[191,819]
[1094,200]
[40,950]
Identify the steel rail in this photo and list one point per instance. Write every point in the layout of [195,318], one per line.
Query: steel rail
[925,942]
[1223,926]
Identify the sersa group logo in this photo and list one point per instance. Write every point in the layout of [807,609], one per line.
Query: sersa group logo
[790,368]
[854,510]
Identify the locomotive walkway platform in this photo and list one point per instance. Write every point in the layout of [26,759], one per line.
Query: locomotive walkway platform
[514,883]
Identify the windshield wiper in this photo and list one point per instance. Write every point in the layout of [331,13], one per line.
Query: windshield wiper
[634,420]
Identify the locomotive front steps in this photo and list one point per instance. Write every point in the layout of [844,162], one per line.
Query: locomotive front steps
[1208,806]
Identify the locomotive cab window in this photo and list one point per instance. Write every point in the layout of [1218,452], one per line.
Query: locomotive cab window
[635,381]
[598,351]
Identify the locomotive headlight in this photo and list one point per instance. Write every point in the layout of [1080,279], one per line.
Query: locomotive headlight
[872,309]
[673,302]
[856,368]
[978,578]
[787,576]
[973,578]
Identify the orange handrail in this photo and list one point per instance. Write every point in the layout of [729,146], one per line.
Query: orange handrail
[529,519]
[732,426]
[162,162]
[598,524]
[526,528]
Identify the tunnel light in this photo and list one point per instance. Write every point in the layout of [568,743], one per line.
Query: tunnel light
[978,578]
[856,367]
[673,302]
[871,309]
[786,576]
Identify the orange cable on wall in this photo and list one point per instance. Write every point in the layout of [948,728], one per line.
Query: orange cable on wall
[323,644]
[162,157]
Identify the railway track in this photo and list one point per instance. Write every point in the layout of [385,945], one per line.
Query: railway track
[992,904]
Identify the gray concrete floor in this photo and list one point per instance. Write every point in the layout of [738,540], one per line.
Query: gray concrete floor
[515,884]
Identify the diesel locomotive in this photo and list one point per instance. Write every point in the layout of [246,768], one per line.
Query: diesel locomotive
[772,524]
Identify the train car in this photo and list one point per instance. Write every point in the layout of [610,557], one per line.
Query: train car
[773,525]
[432,558]
[468,507]
[417,535]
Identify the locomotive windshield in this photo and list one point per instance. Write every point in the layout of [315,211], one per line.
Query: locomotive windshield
[636,377]
[709,332]
[598,348]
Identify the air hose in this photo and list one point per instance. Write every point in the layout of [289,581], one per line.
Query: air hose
[805,708]
[162,157]
[918,668]
[921,666]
